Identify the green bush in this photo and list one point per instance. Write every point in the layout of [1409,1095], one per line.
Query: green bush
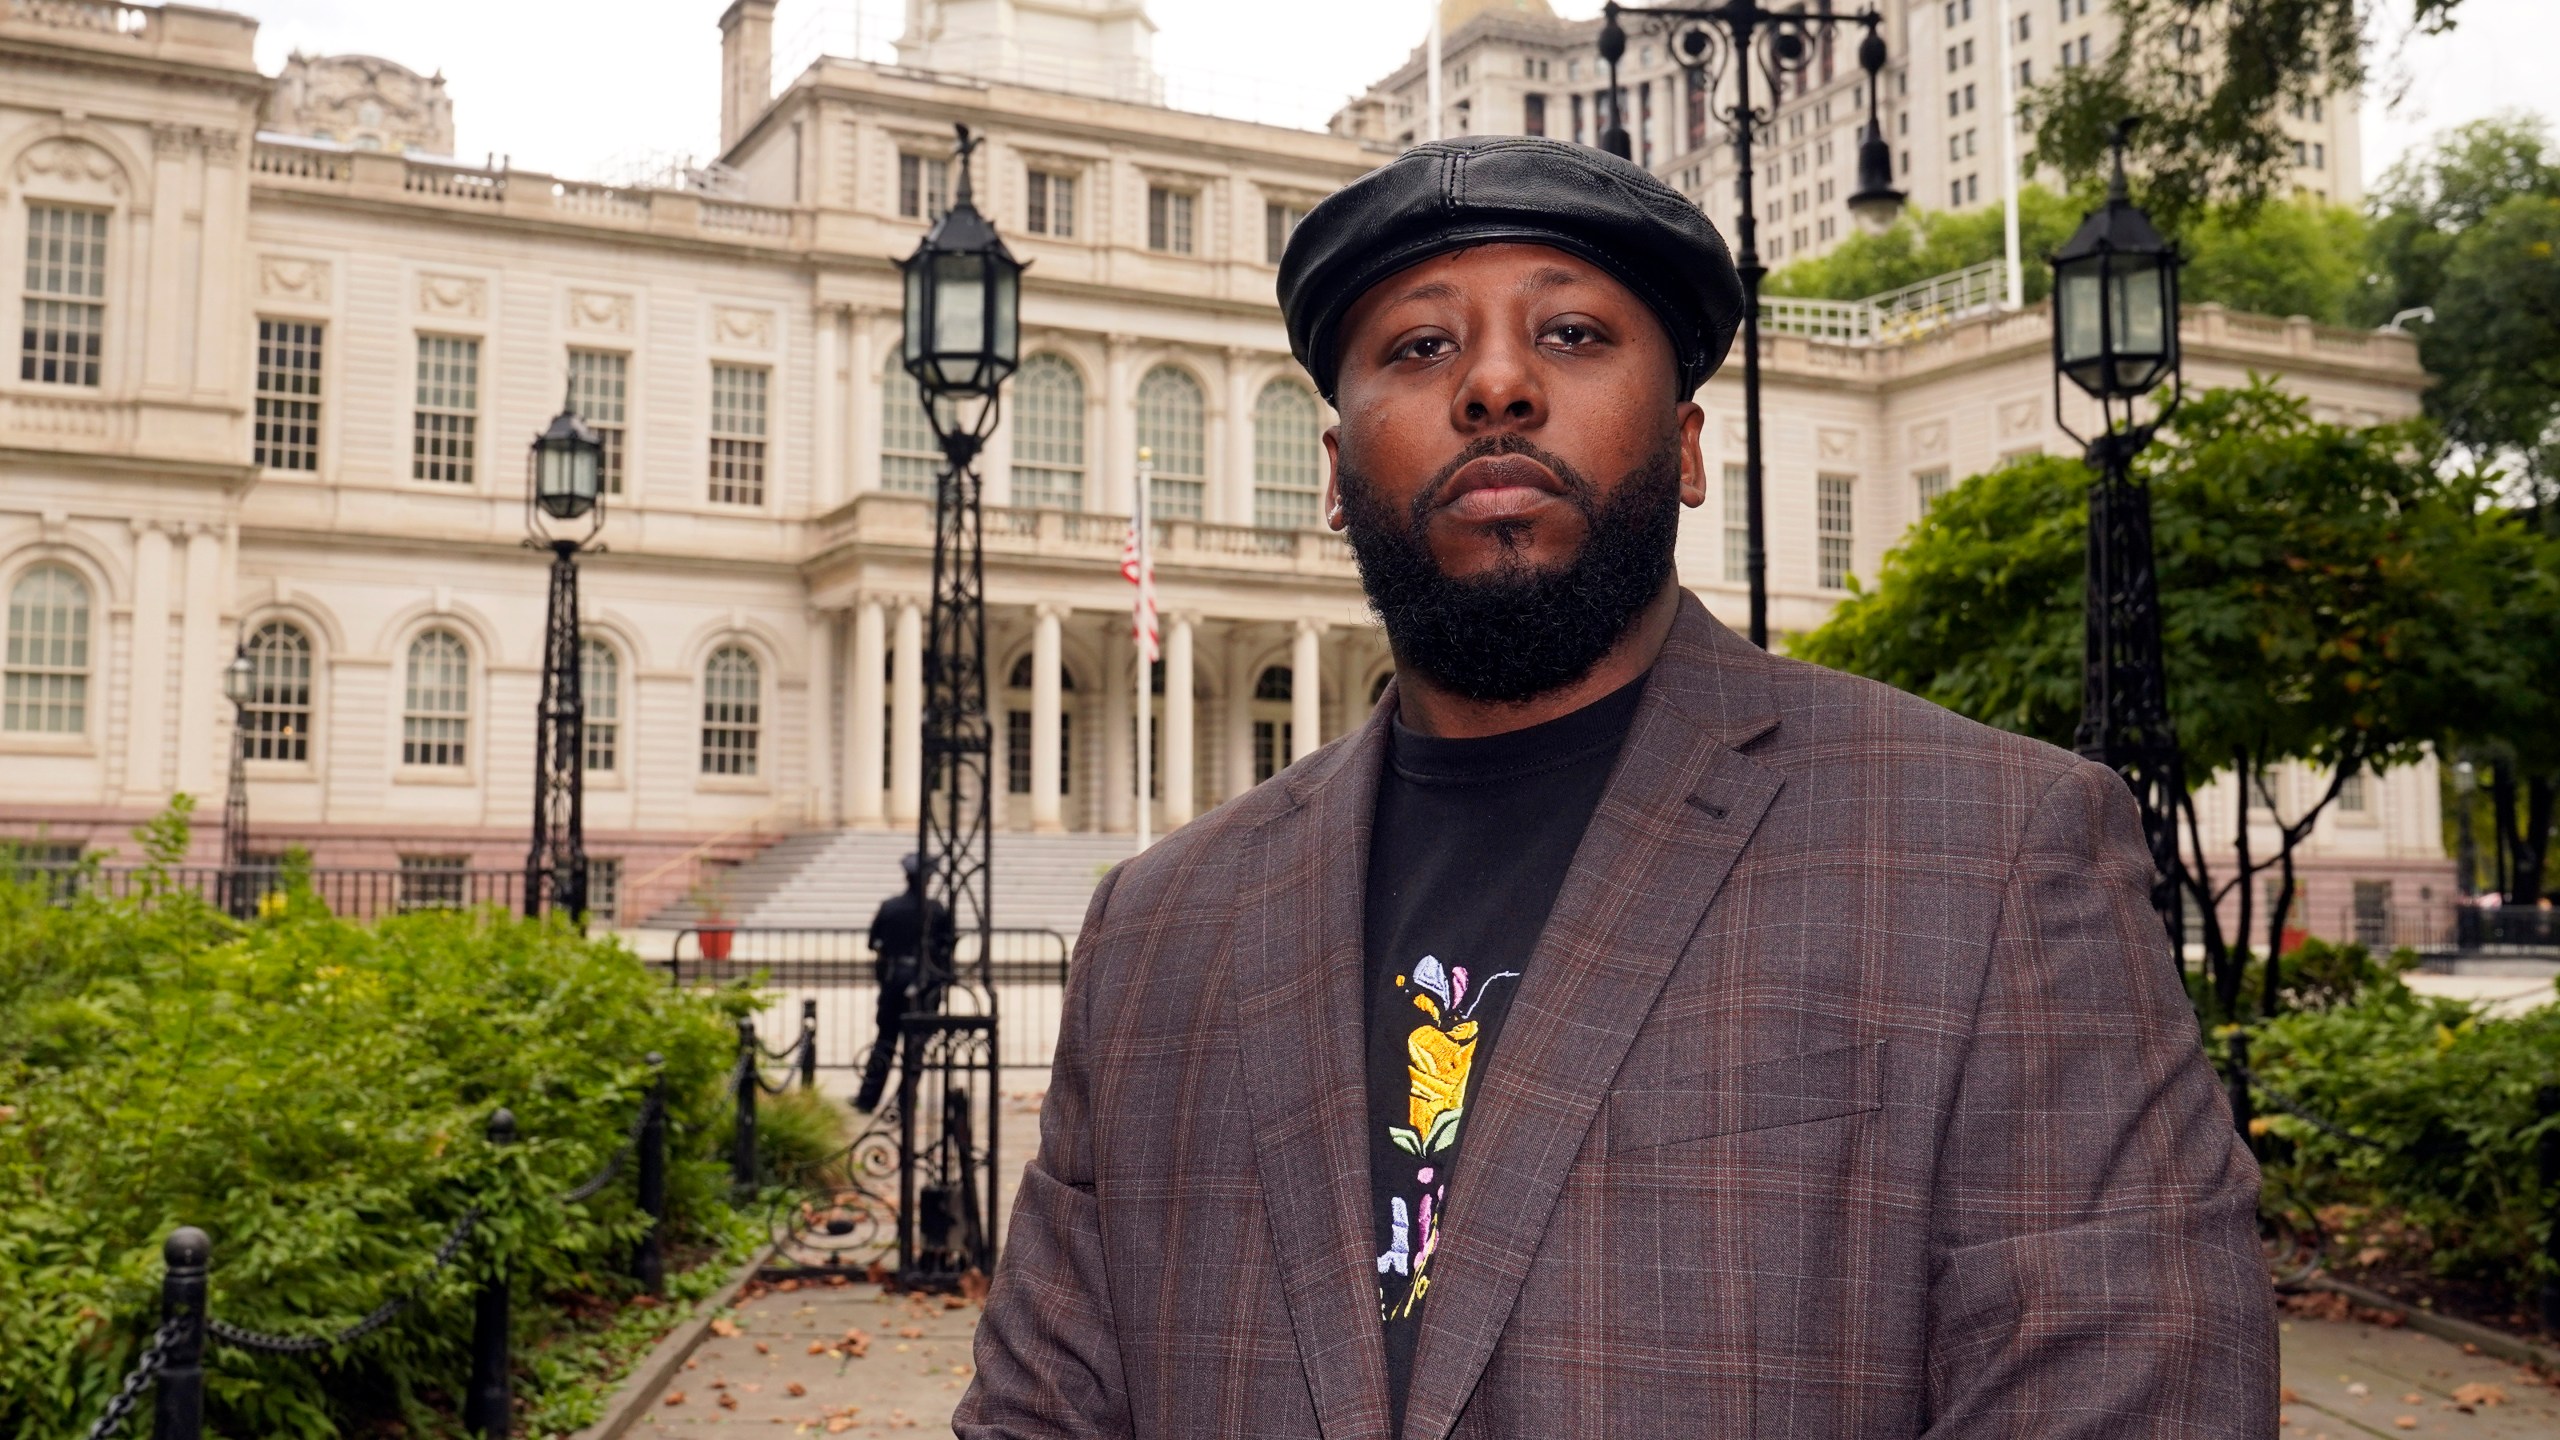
[2449,1095]
[314,1094]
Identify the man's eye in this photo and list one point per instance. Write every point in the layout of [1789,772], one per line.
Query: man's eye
[1572,334]
[1429,347]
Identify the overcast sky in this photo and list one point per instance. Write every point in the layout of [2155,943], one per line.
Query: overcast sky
[585,87]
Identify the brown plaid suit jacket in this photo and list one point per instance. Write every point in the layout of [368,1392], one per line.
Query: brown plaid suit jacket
[1850,1092]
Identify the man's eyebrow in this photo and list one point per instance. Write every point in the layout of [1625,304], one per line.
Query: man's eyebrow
[1428,290]
[1549,277]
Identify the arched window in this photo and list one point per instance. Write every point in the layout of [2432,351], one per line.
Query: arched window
[435,717]
[909,455]
[1173,424]
[278,714]
[1048,434]
[1019,678]
[732,712]
[1288,476]
[1272,731]
[600,690]
[48,662]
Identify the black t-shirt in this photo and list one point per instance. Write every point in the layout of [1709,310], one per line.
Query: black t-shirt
[1471,843]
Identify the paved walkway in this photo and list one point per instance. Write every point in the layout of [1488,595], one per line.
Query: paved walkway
[2345,1380]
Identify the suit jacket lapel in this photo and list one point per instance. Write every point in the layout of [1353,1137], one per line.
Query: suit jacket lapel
[1298,950]
[1676,813]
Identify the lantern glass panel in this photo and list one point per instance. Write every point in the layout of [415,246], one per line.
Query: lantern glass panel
[917,320]
[1008,326]
[565,477]
[960,319]
[239,680]
[2079,296]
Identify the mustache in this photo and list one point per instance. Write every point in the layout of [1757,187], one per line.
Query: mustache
[1578,487]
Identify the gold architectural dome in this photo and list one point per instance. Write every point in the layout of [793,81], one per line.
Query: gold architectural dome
[1454,13]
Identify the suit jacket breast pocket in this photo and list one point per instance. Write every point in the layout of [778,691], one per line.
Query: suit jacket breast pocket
[1762,1095]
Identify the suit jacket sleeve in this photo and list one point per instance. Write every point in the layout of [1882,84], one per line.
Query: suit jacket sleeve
[2095,1266]
[1048,1357]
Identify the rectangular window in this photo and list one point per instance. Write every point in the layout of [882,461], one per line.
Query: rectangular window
[434,882]
[2352,795]
[1051,208]
[1579,132]
[1737,525]
[600,690]
[1968,97]
[1279,222]
[286,433]
[1533,115]
[599,390]
[924,187]
[65,309]
[1017,752]
[1836,529]
[1955,101]
[737,434]
[1271,741]
[1931,486]
[445,434]
[604,889]
[1169,219]
[2373,913]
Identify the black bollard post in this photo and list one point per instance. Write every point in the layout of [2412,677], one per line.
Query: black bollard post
[488,1408]
[648,1258]
[2241,1110]
[2546,1103]
[178,1406]
[742,1149]
[808,1044]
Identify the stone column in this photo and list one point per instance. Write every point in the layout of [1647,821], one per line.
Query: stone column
[204,718]
[1239,461]
[1240,678]
[1047,707]
[147,669]
[866,756]
[1118,712]
[1180,782]
[1306,690]
[1116,467]
[822,719]
[906,718]
[860,398]
[827,486]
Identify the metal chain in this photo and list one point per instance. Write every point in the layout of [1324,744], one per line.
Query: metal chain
[613,1166]
[2290,1106]
[382,1315]
[145,1370]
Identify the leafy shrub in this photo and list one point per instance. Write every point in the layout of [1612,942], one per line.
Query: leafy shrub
[2448,1093]
[314,1094]
[2318,975]
[795,1131]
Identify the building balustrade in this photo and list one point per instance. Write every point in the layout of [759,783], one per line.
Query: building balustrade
[884,519]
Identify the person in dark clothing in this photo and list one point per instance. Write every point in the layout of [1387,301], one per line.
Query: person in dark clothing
[898,933]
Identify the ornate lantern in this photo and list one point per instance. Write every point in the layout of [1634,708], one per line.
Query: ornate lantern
[568,467]
[963,305]
[2115,299]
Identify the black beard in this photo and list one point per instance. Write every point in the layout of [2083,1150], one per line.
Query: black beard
[1522,631]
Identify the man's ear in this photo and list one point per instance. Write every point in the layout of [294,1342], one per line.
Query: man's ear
[1333,477]
[1693,462]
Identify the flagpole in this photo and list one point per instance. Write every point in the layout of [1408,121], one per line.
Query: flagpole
[1138,625]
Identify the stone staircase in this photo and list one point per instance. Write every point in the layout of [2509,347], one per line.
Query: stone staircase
[830,879]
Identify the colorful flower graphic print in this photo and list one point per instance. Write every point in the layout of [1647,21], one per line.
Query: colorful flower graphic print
[1440,1053]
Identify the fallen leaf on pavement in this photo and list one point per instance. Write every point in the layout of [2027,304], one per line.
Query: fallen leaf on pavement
[795,1389]
[910,1332]
[2479,1393]
[817,1347]
[724,1327]
[674,1397]
[730,1402]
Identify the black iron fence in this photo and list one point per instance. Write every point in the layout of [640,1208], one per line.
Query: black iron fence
[826,981]
[354,894]
[172,1363]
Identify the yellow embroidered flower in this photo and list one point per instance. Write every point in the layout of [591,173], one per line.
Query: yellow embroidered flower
[1437,1061]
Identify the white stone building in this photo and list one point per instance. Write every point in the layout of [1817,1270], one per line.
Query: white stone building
[273,390]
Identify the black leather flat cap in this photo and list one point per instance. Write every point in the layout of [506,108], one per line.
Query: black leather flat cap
[1451,194]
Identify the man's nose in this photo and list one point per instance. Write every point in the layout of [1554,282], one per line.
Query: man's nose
[1500,388]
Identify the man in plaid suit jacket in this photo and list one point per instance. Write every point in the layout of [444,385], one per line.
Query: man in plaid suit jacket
[1848,1091]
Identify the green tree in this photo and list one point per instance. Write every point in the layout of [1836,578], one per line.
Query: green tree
[2323,593]
[2215,82]
[2291,257]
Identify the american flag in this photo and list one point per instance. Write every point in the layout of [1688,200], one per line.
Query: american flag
[1139,569]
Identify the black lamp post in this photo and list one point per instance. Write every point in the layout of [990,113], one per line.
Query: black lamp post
[563,487]
[963,339]
[2115,336]
[1739,34]
[239,686]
